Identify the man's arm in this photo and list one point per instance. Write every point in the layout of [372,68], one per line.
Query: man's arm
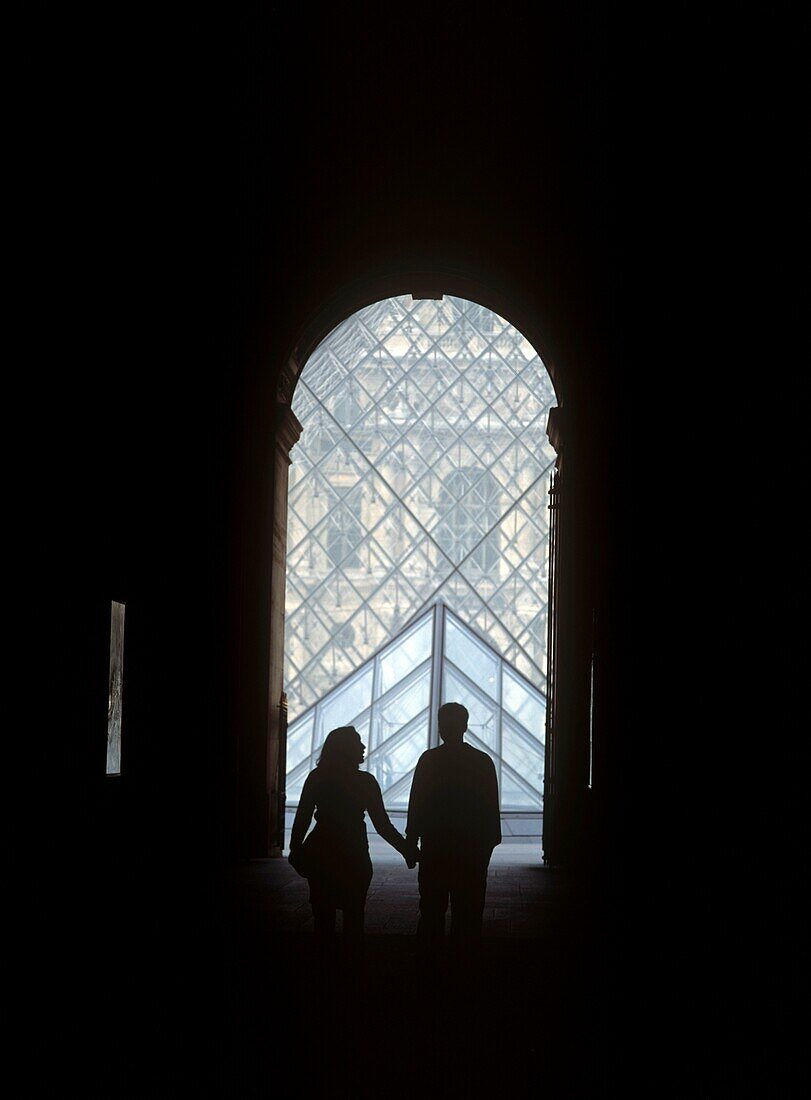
[416,805]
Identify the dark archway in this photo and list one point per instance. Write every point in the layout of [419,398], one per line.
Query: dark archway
[569,736]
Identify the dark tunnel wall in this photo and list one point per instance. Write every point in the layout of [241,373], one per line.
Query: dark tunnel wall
[233,178]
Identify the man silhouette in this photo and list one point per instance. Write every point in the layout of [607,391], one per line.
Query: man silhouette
[453,812]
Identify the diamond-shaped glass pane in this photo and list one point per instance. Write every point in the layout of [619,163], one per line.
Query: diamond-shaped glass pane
[403,704]
[348,402]
[345,705]
[483,716]
[410,650]
[523,754]
[394,760]
[515,796]
[299,740]
[523,703]
[425,568]
[294,783]
[478,662]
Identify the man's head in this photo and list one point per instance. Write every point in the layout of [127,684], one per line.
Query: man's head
[452,722]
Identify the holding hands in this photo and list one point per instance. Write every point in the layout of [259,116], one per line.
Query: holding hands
[411,855]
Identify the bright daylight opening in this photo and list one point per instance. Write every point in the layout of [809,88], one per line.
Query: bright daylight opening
[418,545]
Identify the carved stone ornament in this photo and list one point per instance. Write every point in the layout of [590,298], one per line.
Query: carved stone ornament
[554,428]
[287,382]
[287,427]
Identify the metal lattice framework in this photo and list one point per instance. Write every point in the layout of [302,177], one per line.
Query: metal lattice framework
[422,473]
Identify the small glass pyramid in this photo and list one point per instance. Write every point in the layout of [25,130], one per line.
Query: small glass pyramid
[392,699]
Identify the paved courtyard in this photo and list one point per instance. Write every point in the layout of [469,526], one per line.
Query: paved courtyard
[523,897]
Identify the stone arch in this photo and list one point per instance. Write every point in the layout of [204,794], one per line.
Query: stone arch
[570,764]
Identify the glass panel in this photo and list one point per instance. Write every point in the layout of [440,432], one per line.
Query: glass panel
[395,603]
[477,662]
[403,705]
[426,567]
[472,739]
[305,635]
[348,402]
[514,797]
[523,754]
[299,740]
[482,719]
[397,799]
[523,703]
[300,696]
[401,468]
[294,783]
[344,706]
[362,727]
[394,760]
[404,656]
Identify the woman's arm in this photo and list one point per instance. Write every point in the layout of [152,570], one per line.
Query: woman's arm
[380,819]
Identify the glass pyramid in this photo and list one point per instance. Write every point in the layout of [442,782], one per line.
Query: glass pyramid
[392,700]
[422,473]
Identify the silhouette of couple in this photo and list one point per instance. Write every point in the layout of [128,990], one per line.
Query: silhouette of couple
[453,826]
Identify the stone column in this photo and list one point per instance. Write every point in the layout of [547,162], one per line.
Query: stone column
[566,791]
[287,431]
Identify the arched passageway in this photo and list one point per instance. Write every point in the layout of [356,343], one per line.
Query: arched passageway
[418,544]
[424,475]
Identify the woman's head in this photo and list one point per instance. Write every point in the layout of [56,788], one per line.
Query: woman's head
[342,748]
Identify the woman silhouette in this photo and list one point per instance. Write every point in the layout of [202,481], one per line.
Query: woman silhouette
[335,857]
